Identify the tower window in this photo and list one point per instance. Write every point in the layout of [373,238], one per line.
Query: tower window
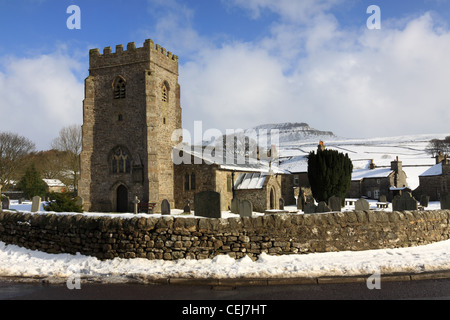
[120,162]
[165,93]
[120,89]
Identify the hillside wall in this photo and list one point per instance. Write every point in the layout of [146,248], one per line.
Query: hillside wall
[171,238]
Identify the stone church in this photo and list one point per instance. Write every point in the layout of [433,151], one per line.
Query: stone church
[131,108]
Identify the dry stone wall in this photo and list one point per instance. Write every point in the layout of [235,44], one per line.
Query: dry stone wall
[171,238]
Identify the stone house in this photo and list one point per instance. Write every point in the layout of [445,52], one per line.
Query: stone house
[297,177]
[374,182]
[55,185]
[254,180]
[436,180]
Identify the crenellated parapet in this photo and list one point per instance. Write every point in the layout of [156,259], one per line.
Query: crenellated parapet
[148,53]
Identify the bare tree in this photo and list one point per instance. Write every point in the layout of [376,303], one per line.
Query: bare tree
[437,146]
[13,149]
[70,142]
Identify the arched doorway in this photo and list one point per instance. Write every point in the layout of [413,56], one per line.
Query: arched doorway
[272,199]
[122,199]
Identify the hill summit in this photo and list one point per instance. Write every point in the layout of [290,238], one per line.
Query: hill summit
[291,132]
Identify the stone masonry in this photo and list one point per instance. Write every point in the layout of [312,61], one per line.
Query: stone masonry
[131,108]
[171,238]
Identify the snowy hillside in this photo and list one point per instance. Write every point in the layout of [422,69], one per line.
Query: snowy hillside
[293,132]
[410,149]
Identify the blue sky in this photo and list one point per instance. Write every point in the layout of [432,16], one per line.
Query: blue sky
[242,62]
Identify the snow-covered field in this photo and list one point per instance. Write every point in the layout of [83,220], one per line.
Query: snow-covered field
[409,149]
[27,264]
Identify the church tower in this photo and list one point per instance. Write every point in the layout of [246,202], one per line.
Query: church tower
[131,108]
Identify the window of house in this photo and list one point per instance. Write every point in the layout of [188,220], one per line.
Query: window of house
[376,194]
[296,181]
[120,89]
[120,162]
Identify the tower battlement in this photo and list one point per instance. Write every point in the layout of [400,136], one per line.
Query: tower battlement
[149,52]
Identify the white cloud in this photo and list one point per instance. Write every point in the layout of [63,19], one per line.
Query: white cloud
[292,11]
[40,95]
[355,82]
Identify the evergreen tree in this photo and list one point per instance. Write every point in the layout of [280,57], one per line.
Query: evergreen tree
[32,184]
[62,202]
[329,174]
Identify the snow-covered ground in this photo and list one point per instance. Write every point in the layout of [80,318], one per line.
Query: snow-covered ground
[20,262]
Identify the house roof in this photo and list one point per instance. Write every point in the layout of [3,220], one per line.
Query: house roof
[250,165]
[435,170]
[371,173]
[247,181]
[54,183]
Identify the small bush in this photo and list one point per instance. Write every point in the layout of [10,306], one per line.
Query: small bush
[62,202]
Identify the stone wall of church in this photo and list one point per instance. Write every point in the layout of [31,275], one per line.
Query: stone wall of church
[172,238]
[140,122]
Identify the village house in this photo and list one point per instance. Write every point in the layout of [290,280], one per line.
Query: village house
[374,182]
[55,185]
[436,180]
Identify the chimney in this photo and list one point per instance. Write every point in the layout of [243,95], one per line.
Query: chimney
[371,165]
[440,157]
[396,165]
[321,146]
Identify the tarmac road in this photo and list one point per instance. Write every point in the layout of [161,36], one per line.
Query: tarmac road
[436,289]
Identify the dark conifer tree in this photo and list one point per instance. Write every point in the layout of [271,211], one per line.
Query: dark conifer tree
[31,183]
[329,174]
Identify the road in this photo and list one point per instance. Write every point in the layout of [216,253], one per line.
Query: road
[424,289]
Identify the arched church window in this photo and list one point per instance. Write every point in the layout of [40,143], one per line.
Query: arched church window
[120,162]
[120,88]
[165,93]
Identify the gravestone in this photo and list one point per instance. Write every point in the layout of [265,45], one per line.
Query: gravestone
[187,208]
[404,202]
[445,201]
[323,207]
[165,207]
[281,204]
[36,204]
[235,205]
[207,204]
[362,205]
[309,208]
[301,201]
[245,208]
[335,203]
[424,200]
[5,203]
[383,198]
